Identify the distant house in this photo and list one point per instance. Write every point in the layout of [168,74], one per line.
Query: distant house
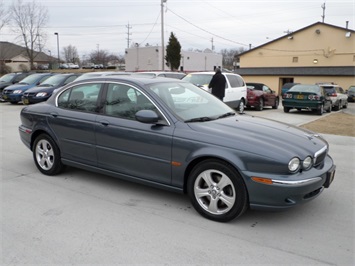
[14,58]
[319,52]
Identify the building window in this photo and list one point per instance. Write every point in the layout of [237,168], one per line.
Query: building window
[295,59]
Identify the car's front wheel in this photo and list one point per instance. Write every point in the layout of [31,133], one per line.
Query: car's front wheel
[260,107]
[217,191]
[46,155]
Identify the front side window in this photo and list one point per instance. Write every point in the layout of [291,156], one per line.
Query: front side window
[124,101]
[81,98]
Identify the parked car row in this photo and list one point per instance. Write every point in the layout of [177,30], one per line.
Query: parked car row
[69,66]
[319,97]
[33,88]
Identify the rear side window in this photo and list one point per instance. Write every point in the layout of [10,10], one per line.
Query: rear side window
[81,98]
[235,81]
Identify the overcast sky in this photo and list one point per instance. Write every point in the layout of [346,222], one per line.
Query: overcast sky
[104,24]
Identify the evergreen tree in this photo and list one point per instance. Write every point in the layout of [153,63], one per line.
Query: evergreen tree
[173,53]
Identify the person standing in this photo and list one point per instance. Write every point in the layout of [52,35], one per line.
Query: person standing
[218,84]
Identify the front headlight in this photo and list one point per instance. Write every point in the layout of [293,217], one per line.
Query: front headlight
[307,163]
[17,92]
[294,164]
[41,94]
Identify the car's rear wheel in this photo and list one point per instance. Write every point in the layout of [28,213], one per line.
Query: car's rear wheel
[46,155]
[286,109]
[277,102]
[241,106]
[217,191]
[260,107]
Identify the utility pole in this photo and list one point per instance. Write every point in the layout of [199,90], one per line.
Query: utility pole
[212,45]
[323,16]
[128,33]
[162,35]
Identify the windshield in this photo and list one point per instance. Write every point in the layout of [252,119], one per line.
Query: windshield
[189,102]
[31,79]
[53,81]
[7,78]
[198,79]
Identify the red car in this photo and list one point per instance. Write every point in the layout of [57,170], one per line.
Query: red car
[260,95]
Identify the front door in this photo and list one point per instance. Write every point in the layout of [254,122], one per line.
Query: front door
[129,147]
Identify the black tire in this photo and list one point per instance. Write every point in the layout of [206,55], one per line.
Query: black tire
[241,106]
[12,102]
[286,109]
[320,111]
[46,155]
[329,109]
[277,102]
[345,104]
[209,195]
[260,107]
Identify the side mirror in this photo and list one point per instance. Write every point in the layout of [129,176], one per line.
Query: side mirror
[147,116]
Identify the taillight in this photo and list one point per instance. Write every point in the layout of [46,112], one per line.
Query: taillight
[287,96]
[333,94]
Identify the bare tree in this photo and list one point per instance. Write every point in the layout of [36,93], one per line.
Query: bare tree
[4,15]
[29,19]
[71,54]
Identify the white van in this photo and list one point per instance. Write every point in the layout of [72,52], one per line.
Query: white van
[236,89]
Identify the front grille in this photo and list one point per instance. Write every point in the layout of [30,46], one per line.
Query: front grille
[320,155]
[29,94]
[7,91]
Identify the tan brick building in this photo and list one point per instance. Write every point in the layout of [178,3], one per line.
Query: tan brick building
[317,53]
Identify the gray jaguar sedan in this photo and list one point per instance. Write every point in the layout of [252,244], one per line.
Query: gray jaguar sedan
[171,134]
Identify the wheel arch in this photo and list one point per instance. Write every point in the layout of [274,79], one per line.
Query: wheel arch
[200,159]
[38,132]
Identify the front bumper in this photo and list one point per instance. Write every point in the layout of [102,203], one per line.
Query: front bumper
[12,97]
[290,190]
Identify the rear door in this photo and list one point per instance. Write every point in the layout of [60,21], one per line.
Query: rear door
[235,90]
[74,122]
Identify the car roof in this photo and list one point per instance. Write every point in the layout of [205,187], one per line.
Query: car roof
[143,80]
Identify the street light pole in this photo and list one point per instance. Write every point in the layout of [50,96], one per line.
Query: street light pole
[162,34]
[56,33]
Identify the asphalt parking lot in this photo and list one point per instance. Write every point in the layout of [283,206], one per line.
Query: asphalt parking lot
[80,217]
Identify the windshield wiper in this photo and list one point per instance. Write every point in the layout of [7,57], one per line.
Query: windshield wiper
[199,119]
[226,114]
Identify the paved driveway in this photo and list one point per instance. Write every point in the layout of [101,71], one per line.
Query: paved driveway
[84,218]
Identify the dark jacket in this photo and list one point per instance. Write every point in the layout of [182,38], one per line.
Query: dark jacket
[218,85]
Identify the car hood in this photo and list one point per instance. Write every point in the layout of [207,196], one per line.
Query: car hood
[42,89]
[260,136]
[4,84]
[19,87]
